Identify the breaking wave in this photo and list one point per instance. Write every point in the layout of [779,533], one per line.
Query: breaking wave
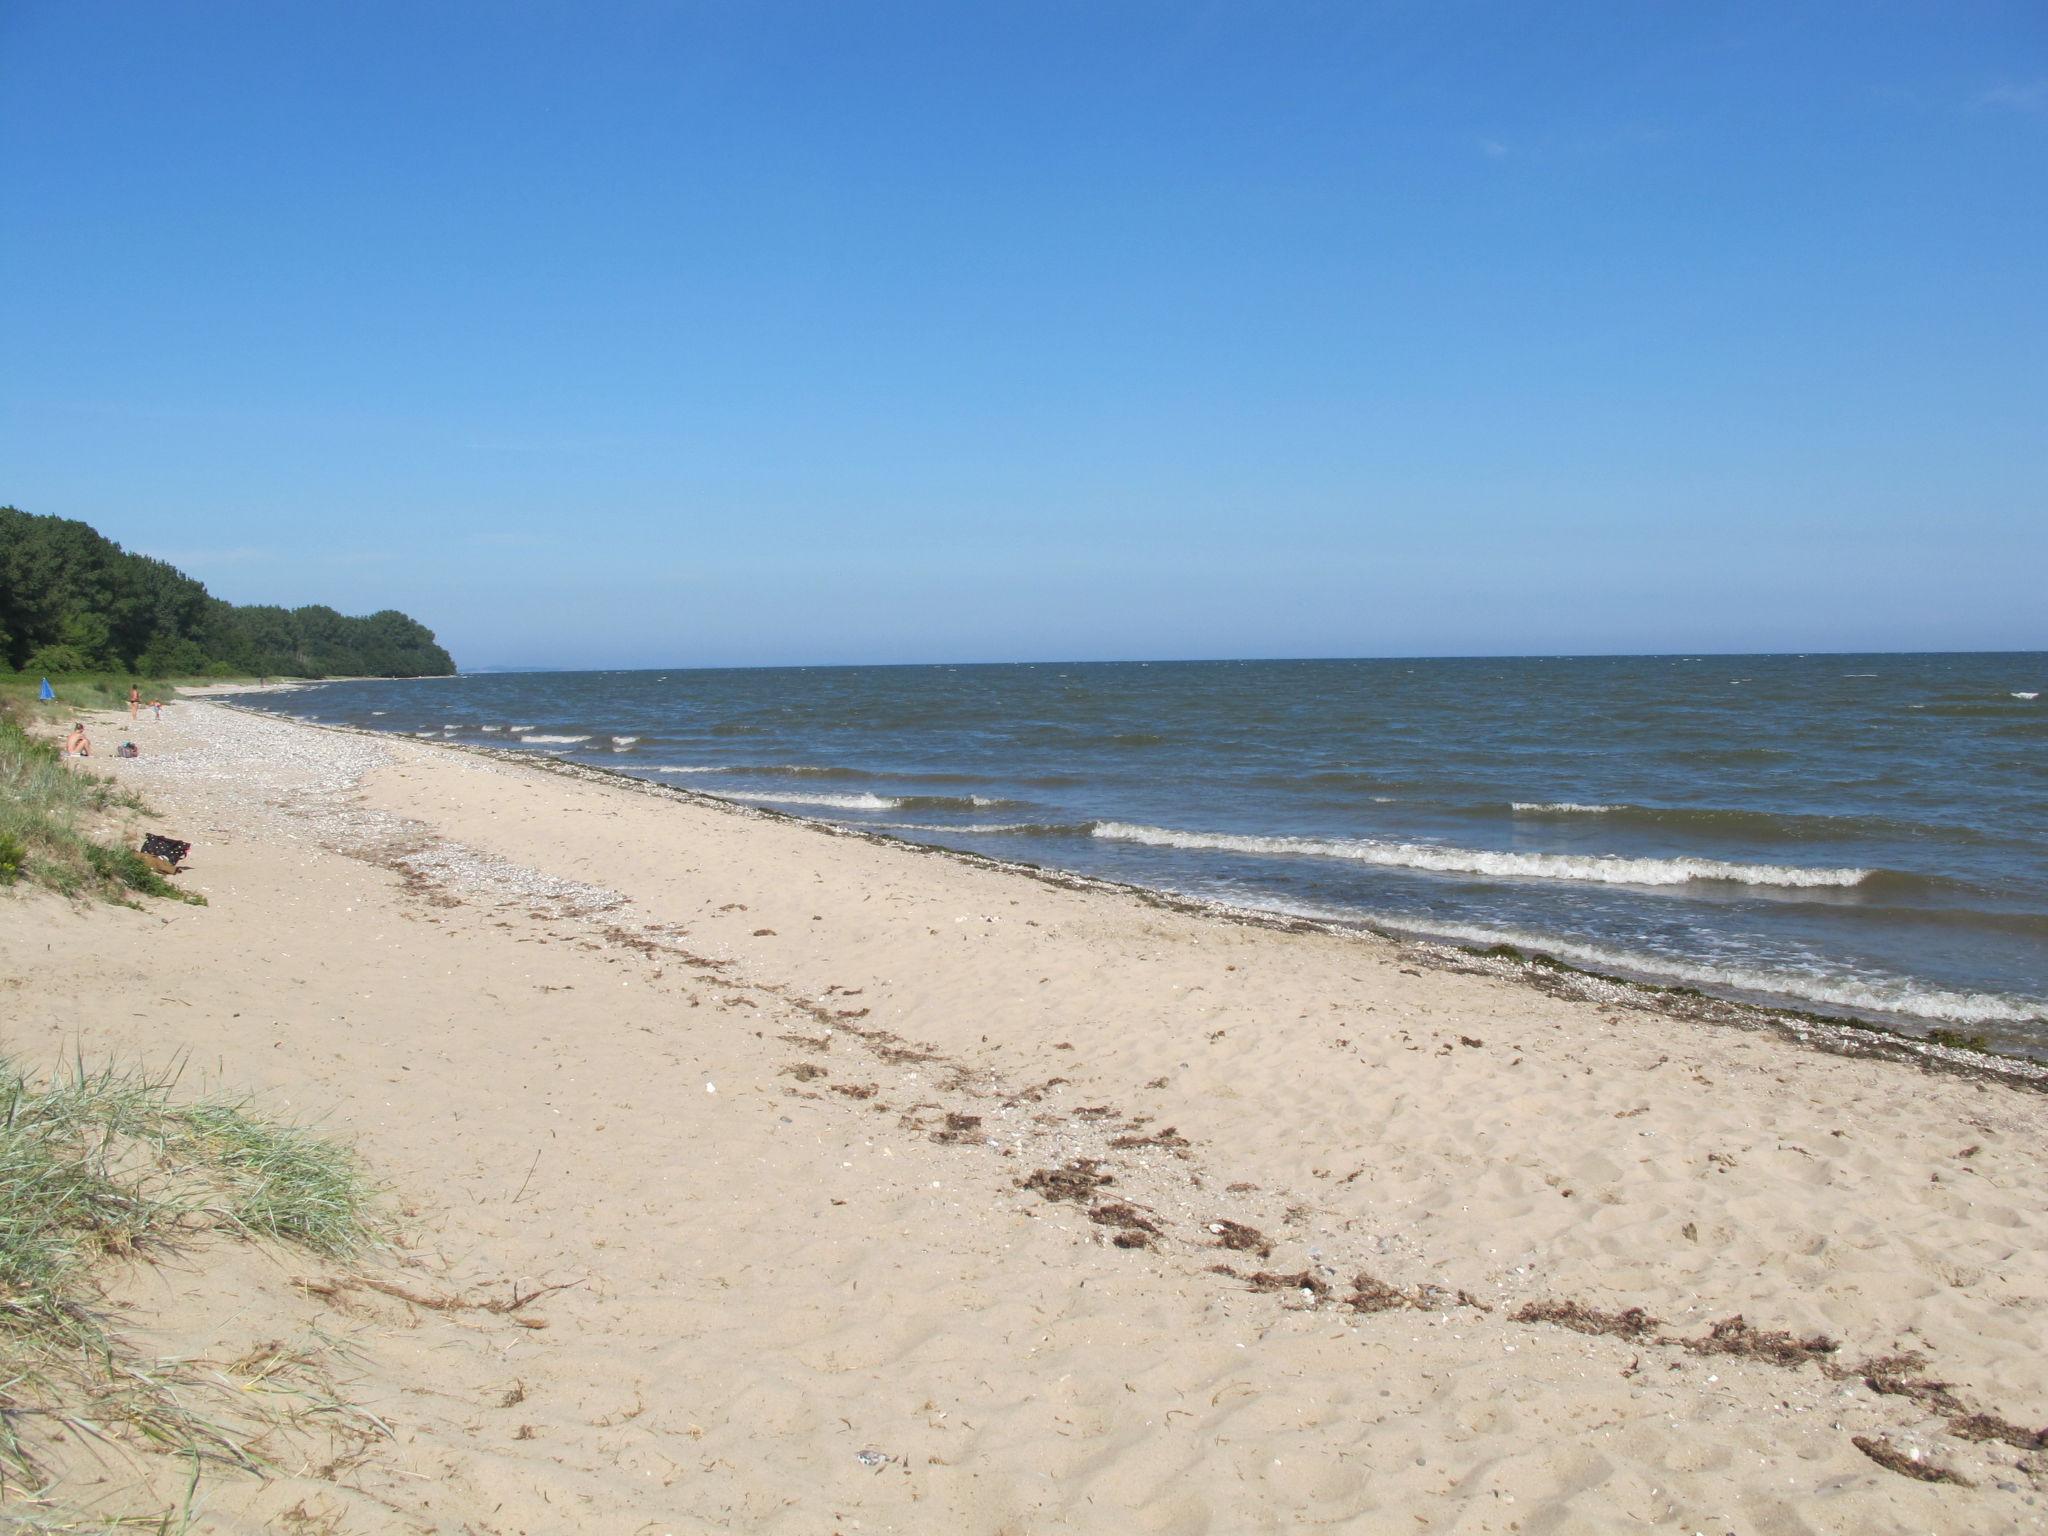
[1866,994]
[993,828]
[551,741]
[836,802]
[1601,869]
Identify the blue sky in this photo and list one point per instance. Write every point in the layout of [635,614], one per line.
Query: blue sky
[623,332]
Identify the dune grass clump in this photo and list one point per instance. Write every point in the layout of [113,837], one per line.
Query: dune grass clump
[106,1165]
[47,812]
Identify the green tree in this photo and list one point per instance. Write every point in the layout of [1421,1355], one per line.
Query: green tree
[73,601]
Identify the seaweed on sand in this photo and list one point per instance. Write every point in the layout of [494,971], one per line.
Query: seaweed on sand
[1076,1182]
[1734,1336]
[1369,1293]
[1240,1238]
[1634,1323]
[1888,1456]
[1134,1229]
[1301,1280]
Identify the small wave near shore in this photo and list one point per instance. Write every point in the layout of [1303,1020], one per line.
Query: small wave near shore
[1604,869]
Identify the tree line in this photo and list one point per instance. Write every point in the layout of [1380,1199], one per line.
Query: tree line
[72,600]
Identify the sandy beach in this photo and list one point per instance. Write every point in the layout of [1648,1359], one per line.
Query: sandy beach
[756,1177]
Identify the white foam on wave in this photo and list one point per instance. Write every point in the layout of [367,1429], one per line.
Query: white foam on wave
[490,727]
[836,802]
[621,743]
[972,826]
[677,768]
[1870,994]
[380,711]
[1595,868]
[1563,808]
[2034,695]
[551,741]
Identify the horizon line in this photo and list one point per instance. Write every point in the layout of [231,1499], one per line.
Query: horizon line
[1182,661]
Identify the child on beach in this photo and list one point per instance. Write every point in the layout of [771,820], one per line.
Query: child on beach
[157,705]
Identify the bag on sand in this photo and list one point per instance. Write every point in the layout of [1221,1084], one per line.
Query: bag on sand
[169,849]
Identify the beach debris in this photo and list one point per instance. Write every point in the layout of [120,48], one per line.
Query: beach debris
[1734,1336]
[1369,1293]
[1077,1182]
[1634,1323]
[873,1458]
[335,1288]
[895,1051]
[1167,1138]
[803,1071]
[1239,1238]
[958,1129]
[1907,1463]
[1312,1285]
[1134,1230]
[1989,1426]
[1035,1093]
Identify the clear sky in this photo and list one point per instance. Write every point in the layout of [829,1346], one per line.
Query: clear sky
[627,332]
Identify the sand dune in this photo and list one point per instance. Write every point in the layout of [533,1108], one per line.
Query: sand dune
[885,1191]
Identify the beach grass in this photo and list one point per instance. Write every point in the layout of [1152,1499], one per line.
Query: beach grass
[83,692]
[52,821]
[107,1164]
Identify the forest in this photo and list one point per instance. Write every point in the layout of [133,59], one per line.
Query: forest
[72,601]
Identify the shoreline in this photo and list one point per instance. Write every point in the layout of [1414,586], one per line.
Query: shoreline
[755,1176]
[1841,1033]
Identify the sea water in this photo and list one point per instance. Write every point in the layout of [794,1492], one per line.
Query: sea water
[1861,835]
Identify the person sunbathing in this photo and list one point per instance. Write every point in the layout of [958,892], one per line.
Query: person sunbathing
[77,744]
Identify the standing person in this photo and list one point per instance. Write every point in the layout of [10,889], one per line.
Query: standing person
[158,706]
[134,702]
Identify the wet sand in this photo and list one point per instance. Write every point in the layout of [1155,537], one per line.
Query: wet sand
[889,1191]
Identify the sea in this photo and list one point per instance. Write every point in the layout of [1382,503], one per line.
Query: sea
[1863,836]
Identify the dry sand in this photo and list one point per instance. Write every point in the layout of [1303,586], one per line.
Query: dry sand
[836,1148]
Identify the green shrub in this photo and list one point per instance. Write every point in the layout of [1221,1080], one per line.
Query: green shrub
[47,811]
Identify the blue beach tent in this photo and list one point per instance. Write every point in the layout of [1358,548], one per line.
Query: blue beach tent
[48,692]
